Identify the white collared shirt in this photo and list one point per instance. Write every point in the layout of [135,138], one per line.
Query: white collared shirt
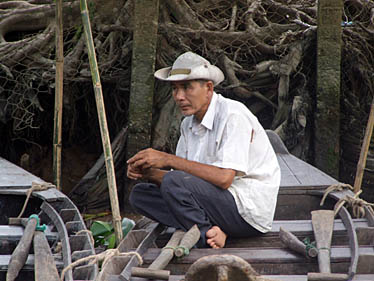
[230,136]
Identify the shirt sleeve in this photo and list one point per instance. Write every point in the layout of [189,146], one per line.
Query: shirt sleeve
[233,151]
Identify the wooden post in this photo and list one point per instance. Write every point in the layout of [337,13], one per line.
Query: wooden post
[142,80]
[327,113]
[103,123]
[364,150]
[57,131]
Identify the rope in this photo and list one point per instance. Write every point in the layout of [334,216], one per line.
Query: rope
[357,204]
[335,187]
[104,256]
[34,187]
[89,234]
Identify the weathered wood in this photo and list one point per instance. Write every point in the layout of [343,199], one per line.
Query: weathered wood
[315,276]
[154,271]
[21,252]
[188,241]
[365,235]
[150,273]
[61,229]
[167,252]
[323,223]
[292,242]
[149,240]
[353,241]
[266,260]
[365,263]
[45,267]
[222,267]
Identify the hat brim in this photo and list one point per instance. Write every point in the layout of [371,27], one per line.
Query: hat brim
[163,74]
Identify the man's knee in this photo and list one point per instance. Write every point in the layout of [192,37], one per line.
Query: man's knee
[136,195]
[173,180]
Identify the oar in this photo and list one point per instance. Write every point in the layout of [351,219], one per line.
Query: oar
[20,253]
[323,226]
[45,266]
[155,270]
[188,241]
[292,242]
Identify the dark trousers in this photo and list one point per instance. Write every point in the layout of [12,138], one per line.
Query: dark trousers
[183,200]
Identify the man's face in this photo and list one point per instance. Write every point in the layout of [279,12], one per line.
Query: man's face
[193,97]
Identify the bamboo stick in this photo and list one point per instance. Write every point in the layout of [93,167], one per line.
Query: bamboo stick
[57,131]
[103,123]
[364,150]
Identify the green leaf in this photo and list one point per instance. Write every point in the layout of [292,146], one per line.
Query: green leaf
[101,228]
[111,240]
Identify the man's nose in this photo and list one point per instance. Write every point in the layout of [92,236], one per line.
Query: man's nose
[179,94]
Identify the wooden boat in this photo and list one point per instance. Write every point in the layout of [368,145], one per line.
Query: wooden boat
[351,256]
[61,217]
[302,188]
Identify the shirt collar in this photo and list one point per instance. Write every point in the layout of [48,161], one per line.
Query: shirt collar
[208,118]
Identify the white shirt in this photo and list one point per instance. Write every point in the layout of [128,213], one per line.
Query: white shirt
[230,136]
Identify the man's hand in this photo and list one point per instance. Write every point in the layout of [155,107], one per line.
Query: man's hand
[134,173]
[148,158]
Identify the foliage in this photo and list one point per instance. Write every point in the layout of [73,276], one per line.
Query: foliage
[103,232]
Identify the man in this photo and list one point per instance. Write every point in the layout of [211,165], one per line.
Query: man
[225,175]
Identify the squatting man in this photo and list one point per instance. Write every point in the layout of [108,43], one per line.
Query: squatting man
[225,175]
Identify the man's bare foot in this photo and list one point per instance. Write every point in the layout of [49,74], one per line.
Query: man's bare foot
[216,238]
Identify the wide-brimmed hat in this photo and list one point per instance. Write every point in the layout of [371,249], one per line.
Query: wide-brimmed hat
[190,66]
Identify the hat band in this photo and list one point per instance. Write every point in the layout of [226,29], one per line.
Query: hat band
[180,71]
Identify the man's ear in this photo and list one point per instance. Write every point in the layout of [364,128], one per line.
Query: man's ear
[210,86]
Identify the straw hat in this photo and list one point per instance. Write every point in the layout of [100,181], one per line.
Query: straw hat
[190,66]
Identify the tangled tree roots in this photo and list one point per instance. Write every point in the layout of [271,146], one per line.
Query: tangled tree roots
[266,49]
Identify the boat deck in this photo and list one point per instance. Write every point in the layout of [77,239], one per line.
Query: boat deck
[302,186]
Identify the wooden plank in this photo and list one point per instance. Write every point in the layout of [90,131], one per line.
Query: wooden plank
[287,176]
[300,228]
[306,173]
[14,233]
[12,176]
[258,255]
[29,265]
[357,277]
[277,142]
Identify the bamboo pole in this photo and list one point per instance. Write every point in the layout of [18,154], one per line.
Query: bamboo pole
[103,123]
[57,131]
[364,150]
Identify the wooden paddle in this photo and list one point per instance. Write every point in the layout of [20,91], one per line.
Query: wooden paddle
[323,226]
[179,245]
[20,253]
[45,266]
